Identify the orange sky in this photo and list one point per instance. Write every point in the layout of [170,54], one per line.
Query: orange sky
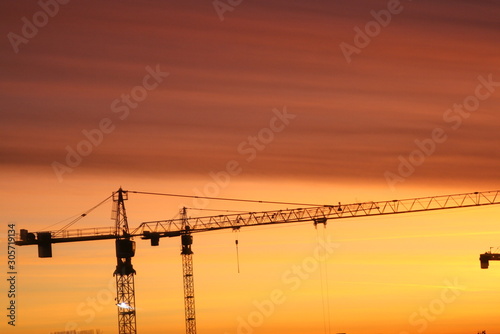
[267,95]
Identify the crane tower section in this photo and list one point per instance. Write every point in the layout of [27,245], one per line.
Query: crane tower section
[124,273]
[187,272]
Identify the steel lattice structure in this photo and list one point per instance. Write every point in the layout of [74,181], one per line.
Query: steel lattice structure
[187,275]
[187,272]
[124,273]
[125,292]
[184,227]
[173,227]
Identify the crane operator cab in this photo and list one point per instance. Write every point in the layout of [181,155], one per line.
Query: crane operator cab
[125,250]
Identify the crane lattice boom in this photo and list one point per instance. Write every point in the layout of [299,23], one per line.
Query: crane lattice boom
[173,227]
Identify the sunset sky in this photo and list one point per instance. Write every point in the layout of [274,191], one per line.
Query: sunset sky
[297,101]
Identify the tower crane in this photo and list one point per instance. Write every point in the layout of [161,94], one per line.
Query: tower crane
[185,227]
[485,258]
[125,250]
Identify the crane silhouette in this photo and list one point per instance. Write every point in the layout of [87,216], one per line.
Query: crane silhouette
[184,227]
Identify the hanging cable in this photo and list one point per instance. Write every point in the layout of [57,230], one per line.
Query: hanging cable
[61,221]
[217,210]
[237,256]
[237,251]
[221,198]
[325,291]
[327,287]
[84,214]
[321,269]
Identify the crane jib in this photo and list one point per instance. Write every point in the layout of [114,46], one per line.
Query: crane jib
[172,228]
[169,228]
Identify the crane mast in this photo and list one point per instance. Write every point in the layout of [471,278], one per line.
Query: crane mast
[124,273]
[187,272]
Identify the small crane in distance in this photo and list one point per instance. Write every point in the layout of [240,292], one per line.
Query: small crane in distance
[488,256]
